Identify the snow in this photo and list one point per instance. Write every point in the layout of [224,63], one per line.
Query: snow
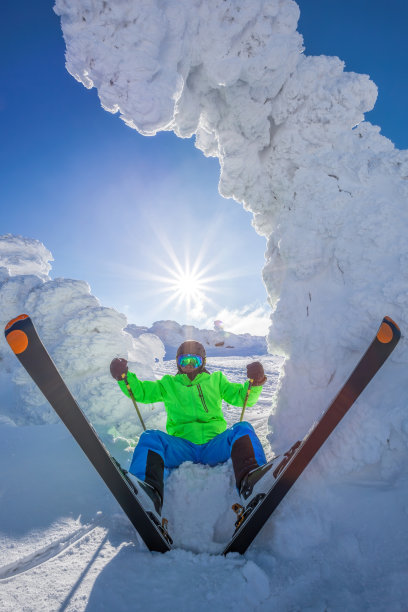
[81,335]
[329,193]
[338,541]
[66,545]
[216,341]
[325,187]
[24,256]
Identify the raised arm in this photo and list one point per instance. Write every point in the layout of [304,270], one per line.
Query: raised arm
[145,392]
[235,393]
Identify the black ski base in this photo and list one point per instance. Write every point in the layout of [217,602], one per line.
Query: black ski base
[27,346]
[251,519]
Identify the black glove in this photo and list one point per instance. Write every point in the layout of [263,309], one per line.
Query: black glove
[255,372]
[118,367]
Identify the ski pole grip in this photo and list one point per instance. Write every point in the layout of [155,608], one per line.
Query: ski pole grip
[132,397]
[251,382]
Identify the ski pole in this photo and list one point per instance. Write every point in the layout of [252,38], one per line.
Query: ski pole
[132,397]
[251,382]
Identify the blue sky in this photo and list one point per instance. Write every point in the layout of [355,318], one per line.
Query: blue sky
[105,199]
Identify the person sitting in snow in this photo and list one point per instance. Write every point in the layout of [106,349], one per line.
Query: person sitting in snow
[196,427]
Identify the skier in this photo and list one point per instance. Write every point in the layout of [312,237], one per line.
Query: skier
[196,428]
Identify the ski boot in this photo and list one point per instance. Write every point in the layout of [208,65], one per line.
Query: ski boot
[152,502]
[254,486]
[148,497]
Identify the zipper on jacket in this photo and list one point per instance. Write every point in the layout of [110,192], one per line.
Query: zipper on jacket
[202,397]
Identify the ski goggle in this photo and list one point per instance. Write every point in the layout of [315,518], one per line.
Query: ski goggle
[185,360]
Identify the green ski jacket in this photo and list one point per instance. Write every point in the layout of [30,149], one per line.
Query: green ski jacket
[194,407]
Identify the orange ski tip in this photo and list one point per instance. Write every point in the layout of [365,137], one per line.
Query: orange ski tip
[17,340]
[392,322]
[385,334]
[11,323]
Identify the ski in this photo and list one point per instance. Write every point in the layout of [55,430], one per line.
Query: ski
[252,518]
[27,346]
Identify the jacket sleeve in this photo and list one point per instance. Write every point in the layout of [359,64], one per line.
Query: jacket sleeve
[235,393]
[145,392]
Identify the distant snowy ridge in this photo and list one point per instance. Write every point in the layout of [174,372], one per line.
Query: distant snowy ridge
[81,336]
[216,342]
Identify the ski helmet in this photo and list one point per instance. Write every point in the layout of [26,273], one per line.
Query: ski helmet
[191,347]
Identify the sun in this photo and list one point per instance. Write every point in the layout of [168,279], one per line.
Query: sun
[191,282]
[188,286]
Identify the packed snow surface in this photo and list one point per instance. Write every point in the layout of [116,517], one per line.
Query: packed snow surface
[334,544]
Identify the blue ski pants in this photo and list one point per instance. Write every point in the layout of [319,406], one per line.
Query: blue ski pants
[157,451]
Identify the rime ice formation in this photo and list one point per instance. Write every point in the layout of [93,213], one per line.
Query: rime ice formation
[26,256]
[325,188]
[81,335]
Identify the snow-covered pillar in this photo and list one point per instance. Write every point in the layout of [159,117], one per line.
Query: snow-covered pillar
[326,189]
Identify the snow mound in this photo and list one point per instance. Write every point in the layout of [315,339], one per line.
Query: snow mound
[216,342]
